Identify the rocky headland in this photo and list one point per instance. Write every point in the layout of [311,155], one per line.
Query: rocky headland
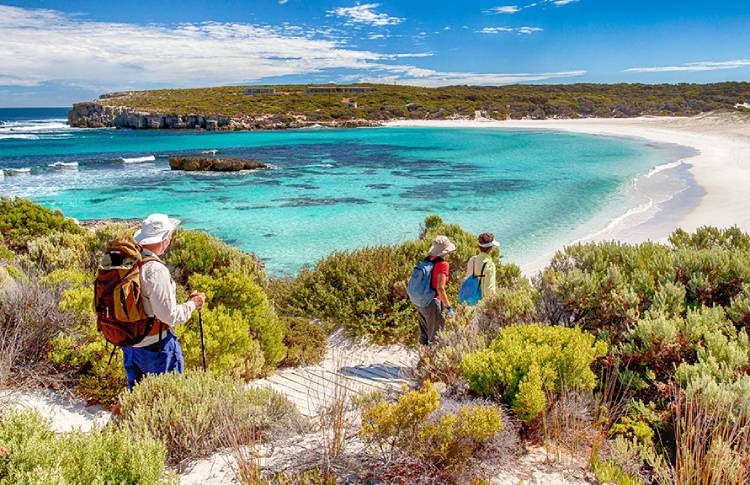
[93,114]
[211,164]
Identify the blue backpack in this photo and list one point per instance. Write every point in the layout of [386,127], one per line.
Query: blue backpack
[420,289]
[471,289]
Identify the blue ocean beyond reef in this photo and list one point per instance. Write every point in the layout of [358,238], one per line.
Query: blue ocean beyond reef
[334,189]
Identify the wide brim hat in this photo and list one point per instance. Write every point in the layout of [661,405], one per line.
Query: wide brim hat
[155,229]
[441,246]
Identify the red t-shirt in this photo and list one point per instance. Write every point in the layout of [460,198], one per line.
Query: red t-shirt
[440,267]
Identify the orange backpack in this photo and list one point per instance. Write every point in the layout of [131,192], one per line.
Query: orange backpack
[118,300]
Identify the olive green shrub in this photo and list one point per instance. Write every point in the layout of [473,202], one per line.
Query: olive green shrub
[194,252]
[414,426]
[525,362]
[22,221]
[33,454]
[305,341]
[61,251]
[229,347]
[188,412]
[238,293]
[510,305]
[442,361]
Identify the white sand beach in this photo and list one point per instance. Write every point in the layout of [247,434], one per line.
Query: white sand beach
[720,166]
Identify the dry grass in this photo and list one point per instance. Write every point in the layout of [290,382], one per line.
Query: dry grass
[712,442]
[29,317]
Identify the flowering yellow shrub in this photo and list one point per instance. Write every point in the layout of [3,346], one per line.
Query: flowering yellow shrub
[526,362]
[412,425]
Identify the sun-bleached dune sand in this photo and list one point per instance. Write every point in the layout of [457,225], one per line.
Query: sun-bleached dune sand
[720,166]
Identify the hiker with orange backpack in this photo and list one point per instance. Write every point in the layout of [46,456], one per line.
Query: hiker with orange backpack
[136,302]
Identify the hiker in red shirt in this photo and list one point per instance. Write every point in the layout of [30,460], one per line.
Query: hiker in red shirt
[431,317]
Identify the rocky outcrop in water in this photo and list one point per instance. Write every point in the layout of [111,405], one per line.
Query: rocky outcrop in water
[210,164]
[93,114]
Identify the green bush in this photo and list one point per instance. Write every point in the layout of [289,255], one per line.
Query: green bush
[229,347]
[192,413]
[711,237]
[238,293]
[194,252]
[365,290]
[33,453]
[59,250]
[527,361]
[442,361]
[305,341]
[510,305]
[22,221]
[411,425]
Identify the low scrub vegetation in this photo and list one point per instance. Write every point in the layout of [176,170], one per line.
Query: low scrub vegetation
[672,319]
[30,452]
[185,412]
[444,442]
[386,102]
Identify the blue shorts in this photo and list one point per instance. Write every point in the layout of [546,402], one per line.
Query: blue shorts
[139,361]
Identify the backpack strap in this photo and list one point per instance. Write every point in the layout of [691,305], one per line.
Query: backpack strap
[481,275]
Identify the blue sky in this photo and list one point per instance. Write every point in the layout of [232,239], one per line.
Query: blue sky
[53,53]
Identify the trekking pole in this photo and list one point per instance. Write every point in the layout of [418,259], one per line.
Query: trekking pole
[203,342]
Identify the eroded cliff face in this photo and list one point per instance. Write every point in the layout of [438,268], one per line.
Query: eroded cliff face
[92,114]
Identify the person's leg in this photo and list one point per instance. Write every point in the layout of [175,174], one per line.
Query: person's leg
[175,361]
[435,320]
[423,338]
[132,371]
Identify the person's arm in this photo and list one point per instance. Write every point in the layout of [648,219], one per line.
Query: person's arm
[163,299]
[442,279]
[489,285]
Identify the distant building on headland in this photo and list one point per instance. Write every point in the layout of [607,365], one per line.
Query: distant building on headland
[337,90]
[255,91]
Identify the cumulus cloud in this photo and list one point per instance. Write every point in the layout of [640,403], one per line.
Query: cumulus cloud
[695,66]
[365,14]
[505,9]
[41,46]
[519,30]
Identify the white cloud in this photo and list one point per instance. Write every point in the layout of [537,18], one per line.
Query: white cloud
[40,46]
[432,78]
[376,36]
[505,9]
[695,66]
[520,30]
[282,2]
[529,30]
[365,14]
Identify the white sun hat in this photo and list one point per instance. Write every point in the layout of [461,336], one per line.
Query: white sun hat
[442,246]
[490,244]
[155,229]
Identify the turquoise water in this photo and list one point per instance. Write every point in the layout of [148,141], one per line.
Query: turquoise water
[337,189]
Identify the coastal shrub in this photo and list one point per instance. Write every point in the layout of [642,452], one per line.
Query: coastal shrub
[365,290]
[59,250]
[305,341]
[30,317]
[525,362]
[185,412]
[22,221]
[33,453]
[739,309]
[198,252]
[441,362]
[413,425]
[510,305]
[237,292]
[229,347]
[6,255]
[707,237]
